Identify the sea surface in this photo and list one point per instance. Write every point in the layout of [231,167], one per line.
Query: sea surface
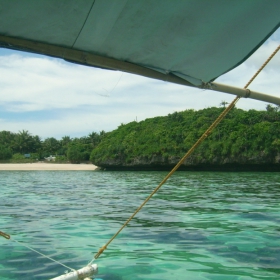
[200,225]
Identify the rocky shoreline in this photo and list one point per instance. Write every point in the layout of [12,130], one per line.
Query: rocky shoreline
[195,163]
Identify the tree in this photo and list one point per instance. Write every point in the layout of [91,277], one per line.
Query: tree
[65,140]
[51,146]
[223,103]
[35,144]
[94,138]
[77,153]
[5,153]
[270,108]
[7,138]
[22,142]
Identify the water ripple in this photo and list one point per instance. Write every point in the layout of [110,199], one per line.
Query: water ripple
[201,225]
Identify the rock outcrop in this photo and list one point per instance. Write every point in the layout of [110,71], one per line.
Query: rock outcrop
[261,162]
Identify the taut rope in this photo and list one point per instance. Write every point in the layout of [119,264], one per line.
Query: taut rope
[205,135]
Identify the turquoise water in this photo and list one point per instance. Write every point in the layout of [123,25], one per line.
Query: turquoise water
[199,226]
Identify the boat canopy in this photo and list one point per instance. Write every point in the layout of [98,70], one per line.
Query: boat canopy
[189,42]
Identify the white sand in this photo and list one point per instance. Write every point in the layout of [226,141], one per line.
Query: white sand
[46,166]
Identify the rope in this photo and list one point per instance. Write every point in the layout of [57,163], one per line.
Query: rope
[205,135]
[261,68]
[208,131]
[7,236]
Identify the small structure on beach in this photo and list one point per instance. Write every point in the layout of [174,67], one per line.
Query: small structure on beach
[50,158]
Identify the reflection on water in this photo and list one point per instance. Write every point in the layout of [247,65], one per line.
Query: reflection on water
[200,225]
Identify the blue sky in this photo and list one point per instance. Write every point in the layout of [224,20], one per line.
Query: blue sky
[53,98]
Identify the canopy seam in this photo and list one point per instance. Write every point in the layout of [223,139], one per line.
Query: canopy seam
[83,23]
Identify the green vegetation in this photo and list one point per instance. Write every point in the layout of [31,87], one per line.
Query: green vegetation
[22,147]
[243,136]
[247,137]
[5,153]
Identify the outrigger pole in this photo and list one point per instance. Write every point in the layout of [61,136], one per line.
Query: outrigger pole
[90,59]
[84,273]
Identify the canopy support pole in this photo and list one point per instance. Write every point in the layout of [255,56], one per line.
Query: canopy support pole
[243,92]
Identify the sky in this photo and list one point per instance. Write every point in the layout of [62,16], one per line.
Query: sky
[53,98]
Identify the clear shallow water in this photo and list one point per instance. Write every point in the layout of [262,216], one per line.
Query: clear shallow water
[199,226]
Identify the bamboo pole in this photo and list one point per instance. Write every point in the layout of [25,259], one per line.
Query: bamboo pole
[81,274]
[243,92]
[89,59]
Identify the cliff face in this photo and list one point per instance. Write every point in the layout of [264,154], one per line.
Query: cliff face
[260,162]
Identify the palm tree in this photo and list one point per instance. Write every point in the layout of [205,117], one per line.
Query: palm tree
[51,146]
[36,143]
[65,140]
[22,142]
[7,138]
[223,103]
[94,138]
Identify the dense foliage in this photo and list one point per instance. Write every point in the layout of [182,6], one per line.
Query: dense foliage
[24,147]
[78,152]
[5,153]
[243,134]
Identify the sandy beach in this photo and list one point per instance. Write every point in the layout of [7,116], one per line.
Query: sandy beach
[46,166]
